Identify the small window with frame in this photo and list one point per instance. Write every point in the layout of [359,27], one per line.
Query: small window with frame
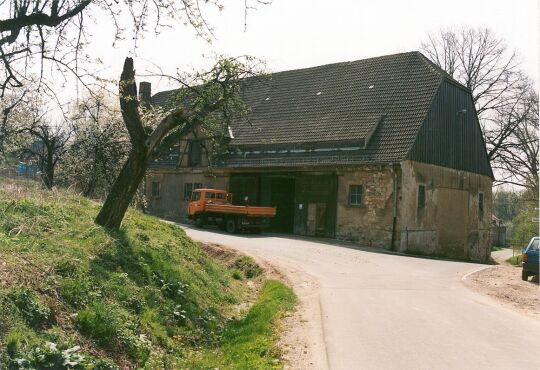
[468,203]
[156,189]
[355,195]
[421,197]
[195,153]
[480,205]
[189,187]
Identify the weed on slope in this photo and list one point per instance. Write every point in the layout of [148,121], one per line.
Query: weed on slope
[74,295]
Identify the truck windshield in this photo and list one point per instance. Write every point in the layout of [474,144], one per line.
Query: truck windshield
[196,195]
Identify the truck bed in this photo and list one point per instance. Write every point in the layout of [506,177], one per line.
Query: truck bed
[252,211]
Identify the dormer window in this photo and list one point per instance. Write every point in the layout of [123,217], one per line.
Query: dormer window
[195,153]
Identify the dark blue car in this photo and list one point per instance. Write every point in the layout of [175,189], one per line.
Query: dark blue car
[530,259]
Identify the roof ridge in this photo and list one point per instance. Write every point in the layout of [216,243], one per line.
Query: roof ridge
[334,64]
[343,62]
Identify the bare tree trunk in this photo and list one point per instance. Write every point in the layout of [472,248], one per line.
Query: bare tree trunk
[48,171]
[123,190]
[48,176]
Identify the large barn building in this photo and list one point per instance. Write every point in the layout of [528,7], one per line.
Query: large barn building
[386,152]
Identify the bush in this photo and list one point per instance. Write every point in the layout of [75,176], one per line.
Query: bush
[76,292]
[247,266]
[523,227]
[237,274]
[36,314]
[68,267]
[106,326]
[50,355]
[99,322]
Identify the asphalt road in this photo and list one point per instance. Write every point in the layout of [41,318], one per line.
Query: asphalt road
[383,311]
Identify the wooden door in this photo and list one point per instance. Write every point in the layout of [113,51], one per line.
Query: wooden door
[320,219]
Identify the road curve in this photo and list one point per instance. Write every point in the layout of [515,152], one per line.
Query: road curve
[383,311]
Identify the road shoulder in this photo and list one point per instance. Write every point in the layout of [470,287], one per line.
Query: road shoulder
[503,284]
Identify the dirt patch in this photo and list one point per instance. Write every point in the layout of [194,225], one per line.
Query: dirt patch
[19,272]
[504,284]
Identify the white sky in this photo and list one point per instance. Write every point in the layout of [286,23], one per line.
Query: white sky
[292,34]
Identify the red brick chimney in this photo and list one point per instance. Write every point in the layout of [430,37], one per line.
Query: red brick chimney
[145,92]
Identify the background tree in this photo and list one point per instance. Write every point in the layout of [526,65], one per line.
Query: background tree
[525,224]
[517,160]
[506,204]
[98,148]
[501,92]
[480,61]
[43,142]
[38,36]
[10,110]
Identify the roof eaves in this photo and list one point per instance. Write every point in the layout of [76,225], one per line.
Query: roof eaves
[435,93]
[457,84]
[441,72]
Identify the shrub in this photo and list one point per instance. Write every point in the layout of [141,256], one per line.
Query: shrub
[68,267]
[105,325]
[76,292]
[135,304]
[31,309]
[50,355]
[237,274]
[99,322]
[247,266]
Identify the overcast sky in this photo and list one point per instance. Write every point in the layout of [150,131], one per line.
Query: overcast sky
[291,34]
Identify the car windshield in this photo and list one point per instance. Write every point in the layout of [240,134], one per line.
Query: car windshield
[534,245]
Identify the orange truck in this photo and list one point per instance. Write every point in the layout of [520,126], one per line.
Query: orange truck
[213,206]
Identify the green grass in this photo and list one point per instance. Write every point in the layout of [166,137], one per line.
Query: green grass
[250,343]
[146,296]
[515,260]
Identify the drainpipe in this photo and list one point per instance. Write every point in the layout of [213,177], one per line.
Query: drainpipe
[394,207]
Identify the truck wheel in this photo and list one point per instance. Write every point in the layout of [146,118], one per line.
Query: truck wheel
[199,221]
[230,225]
[524,276]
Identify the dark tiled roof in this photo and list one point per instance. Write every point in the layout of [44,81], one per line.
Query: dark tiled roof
[375,105]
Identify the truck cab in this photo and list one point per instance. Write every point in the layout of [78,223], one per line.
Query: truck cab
[200,197]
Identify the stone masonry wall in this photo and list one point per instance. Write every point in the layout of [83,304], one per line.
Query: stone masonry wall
[368,224]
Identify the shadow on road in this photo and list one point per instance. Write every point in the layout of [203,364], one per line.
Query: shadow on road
[319,240]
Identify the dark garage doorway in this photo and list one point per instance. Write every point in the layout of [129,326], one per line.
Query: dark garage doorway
[282,197]
[306,203]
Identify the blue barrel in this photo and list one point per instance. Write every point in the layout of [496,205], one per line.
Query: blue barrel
[22,168]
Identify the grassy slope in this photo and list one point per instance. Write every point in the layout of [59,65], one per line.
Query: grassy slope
[515,260]
[146,296]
